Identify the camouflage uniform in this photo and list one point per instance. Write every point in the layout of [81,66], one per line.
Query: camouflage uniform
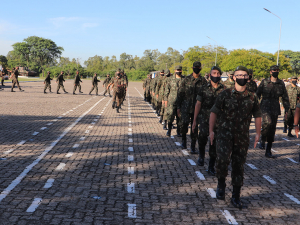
[77,81]
[294,95]
[60,80]
[47,82]
[106,83]
[269,92]
[251,86]
[157,88]
[95,84]
[147,89]
[152,88]
[118,91]
[234,112]
[15,80]
[228,83]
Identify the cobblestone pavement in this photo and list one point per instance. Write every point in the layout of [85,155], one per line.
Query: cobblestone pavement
[71,159]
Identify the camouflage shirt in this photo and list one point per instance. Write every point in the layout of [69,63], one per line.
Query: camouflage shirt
[229,84]
[269,92]
[77,79]
[60,79]
[171,92]
[294,95]
[158,86]
[95,80]
[252,86]
[48,79]
[106,81]
[187,93]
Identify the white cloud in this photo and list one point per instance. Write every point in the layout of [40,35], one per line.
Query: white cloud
[5,46]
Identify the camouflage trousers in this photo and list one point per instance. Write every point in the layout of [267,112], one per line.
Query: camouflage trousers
[158,106]
[203,137]
[94,87]
[118,98]
[290,118]
[75,87]
[230,149]
[47,85]
[185,119]
[14,83]
[107,90]
[60,86]
[170,114]
[269,122]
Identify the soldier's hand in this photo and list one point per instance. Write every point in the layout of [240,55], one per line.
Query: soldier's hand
[297,131]
[178,112]
[211,137]
[193,126]
[256,140]
[285,116]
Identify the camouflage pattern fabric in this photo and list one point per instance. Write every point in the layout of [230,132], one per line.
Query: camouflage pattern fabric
[294,96]
[229,84]
[234,111]
[158,86]
[106,82]
[252,86]
[118,90]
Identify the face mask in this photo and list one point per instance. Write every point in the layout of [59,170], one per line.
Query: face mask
[167,75]
[215,79]
[275,74]
[250,77]
[196,70]
[178,73]
[294,82]
[242,82]
[231,77]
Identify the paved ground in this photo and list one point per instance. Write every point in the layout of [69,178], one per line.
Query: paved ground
[73,160]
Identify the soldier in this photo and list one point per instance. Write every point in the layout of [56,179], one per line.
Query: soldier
[186,101]
[205,100]
[147,88]
[94,84]
[162,93]
[233,110]
[144,87]
[3,73]
[77,81]
[269,91]
[170,100]
[152,88]
[251,85]
[14,76]
[296,122]
[106,83]
[294,95]
[125,84]
[117,85]
[47,82]
[159,97]
[61,81]
[229,83]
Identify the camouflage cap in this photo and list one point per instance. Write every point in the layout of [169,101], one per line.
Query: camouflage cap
[162,71]
[197,63]
[178,68]
[250,71]
[242,68]
[216,68]
[230,72]
[274,67]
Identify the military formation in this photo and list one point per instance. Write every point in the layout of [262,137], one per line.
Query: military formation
[221,112]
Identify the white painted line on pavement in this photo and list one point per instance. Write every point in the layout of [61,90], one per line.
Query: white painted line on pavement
[292,198]
[273,150]
[90,126]
[185,152]
[177,143]
[49,124]
[132,210]
[55,120]
[68,155]
[285,139]
[200,175]
[192,162]
[172,136]
[59,117]
[129,129]
[130,188]
[36,202]
[21,142]
[35,133]
[43,128]
[230,219]
[211,192]
[87,131]
[130,149]
[269,179]
[60,166]
[129,133]
[130,140]
[82,138]
[292,160]
[8,151]
[76,146]
[95,120]
[92,123]
[129,121]
[49,183]
[130,158]
[251,166]
[130,170]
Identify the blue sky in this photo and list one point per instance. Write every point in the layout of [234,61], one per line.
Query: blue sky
[87,28]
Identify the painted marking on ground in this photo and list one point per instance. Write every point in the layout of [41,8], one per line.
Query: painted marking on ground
[55,120]
[130,188]
[60,166]
[8,151]
[130,140]
[43,128]
[129,134]
[87,131]
[292,160]
[251,166]
[130,129]
[132,210]
[22,142]
[68,155]
[130,149]
[177,143]
[49,183]
[130,170]
[273,150]
[172,136]
[292,198]
[35,133]
[192,162]
[49,124]
[36,202]
[200,175]
[211,192]
[185,152]
[130,158]
[269,179]
[285,139]
[230,219]
[82,138]
[90,127]
[76,146]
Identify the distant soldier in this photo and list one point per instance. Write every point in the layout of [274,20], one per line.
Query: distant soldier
[106,83]
[270,90]
[94,84]
[47,82]
[152,89]
[206,97]
[77,81]
[117,85]
[233,111]
[3,74]
[229,83]
[294,95]
[61,81]
[159,97]
[186,101]
[125,84]
[296,122]
[14,76]
[251,85]
[147,88]
[162,93]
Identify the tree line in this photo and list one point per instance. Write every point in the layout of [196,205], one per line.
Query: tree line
[40,55]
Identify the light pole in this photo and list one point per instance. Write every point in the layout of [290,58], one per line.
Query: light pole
[216,50]
[279,33]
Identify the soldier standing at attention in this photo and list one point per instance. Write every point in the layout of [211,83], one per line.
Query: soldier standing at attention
[106,83]
[186,101]
[14,76]
[94,84]
[162,94]
[205,100]
[229,83]
[77,81]
[269,91]
[47,82]
[251,85]
[294,94]
[170,98]
[159,97]
[147,87]
[61,81]
[232,111]
[296,122]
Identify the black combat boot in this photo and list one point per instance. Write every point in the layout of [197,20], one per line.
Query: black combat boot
[183,144]
[57,92]
[178,131]
[201,155]
[161,119]
[193,149]
[109,95]
[74,93]
[113,105]
[290,132]
[285,128]
[235,199]
[90,93]
[211,167]
[268,153]
[262,145]
[165,125]
[45,92]
[117,109]
[66,92]
[169,129]
[220,194]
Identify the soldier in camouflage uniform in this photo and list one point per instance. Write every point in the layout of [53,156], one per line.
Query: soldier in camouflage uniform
[294,94]
[296,122]
[47,82]
[147,88]
[186,101]
[170,100]
[270,90]
[162,93]
[144,87]
[251,85]
[229,83]
[95,84]
[159,97]
[106,83]
[205,100]
[77,81]
[232,111]
[125,84]
[61,81]
[14,76]
[153,88]
[117,85]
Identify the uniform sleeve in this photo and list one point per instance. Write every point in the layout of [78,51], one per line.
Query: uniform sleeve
[167,91]
[260,89]
[180,94]
[285,99]
[200,95]
[57,79]
[218,106]
[256,109]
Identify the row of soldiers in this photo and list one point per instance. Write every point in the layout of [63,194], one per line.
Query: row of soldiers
[222,112]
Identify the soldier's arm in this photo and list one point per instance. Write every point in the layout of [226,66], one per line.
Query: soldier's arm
[285,99]
[257,115]
[180,95]
[197,110]
[260,89]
